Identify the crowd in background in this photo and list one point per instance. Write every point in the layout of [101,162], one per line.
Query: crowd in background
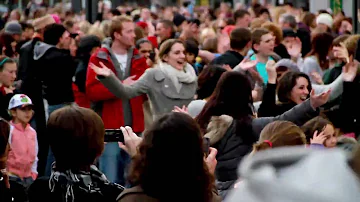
[251,103]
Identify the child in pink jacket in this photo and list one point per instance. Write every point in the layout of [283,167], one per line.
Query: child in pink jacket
[22,158]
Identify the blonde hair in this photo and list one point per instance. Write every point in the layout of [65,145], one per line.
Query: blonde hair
[280,134]
[256,23]
[277,12]
[351,43]
[94,30]
[207,33]
[84,26]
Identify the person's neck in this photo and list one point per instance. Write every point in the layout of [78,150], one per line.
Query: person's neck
[119,48]
[242,52]
[262,58]
[17,121]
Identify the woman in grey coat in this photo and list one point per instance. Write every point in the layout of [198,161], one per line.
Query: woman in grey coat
[170,83]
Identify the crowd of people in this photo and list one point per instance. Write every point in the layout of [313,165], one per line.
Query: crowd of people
[252,103]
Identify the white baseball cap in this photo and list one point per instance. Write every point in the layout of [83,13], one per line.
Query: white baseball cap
[19,100]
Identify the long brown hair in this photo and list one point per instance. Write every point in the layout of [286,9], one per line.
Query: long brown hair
[223,102]
[170,159]
[321,44]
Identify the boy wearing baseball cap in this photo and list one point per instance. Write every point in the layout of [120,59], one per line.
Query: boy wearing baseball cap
[22,158]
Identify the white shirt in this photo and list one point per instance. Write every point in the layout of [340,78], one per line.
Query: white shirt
[122,59]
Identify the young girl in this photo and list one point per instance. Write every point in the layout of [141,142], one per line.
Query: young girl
[22,158]
[285,133]
[321,125]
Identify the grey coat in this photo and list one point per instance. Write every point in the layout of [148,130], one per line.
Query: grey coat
[159,88]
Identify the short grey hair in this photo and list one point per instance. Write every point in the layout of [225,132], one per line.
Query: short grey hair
[288,18]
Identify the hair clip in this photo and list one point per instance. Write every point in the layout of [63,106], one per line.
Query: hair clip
[268,142]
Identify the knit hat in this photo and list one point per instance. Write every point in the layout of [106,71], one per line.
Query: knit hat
[13,27]
[87,43]
[40,23]
[325,19]
[178,19]
[228,29]
[19,100]
[56,18]
[142,24]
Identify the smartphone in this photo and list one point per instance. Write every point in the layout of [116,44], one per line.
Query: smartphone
[206,146]
[152,56]
[113,135]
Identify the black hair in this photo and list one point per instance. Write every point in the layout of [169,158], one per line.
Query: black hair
[141,41]
[191,46]
[53,33]
[115,12]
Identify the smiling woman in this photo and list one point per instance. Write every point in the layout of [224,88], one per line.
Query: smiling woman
[172,82]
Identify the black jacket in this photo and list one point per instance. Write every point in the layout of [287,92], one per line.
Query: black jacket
[57,68]
[234,141]
[231,58]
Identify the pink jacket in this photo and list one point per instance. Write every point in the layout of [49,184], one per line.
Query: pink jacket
[22,159]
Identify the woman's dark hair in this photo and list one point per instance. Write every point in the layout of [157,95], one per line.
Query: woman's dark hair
[76,137]
[172,149]
[5,42]
[5,60]
[287,82]
[316,124]
[308,19]
[207,80]
[232,97]
[321,44]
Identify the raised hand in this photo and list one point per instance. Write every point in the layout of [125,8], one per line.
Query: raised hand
[247,64]
[341,52]
[131,141]
[184,109]
[211,160]
[294,49]
[316,76]
[319,100]
[271,71]
[318,138]
[101,71]
[350,70]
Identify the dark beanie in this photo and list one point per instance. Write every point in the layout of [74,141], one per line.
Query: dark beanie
[87,43]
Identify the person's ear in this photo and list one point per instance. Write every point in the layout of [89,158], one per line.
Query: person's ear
[165,58]
[256,47]
[117,35]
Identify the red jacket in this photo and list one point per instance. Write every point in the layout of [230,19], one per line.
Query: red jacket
[104,102]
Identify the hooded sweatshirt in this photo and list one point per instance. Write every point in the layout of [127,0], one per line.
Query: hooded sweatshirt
[57,69]
[297,175]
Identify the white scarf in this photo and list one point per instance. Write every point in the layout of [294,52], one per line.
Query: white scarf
[178,77]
